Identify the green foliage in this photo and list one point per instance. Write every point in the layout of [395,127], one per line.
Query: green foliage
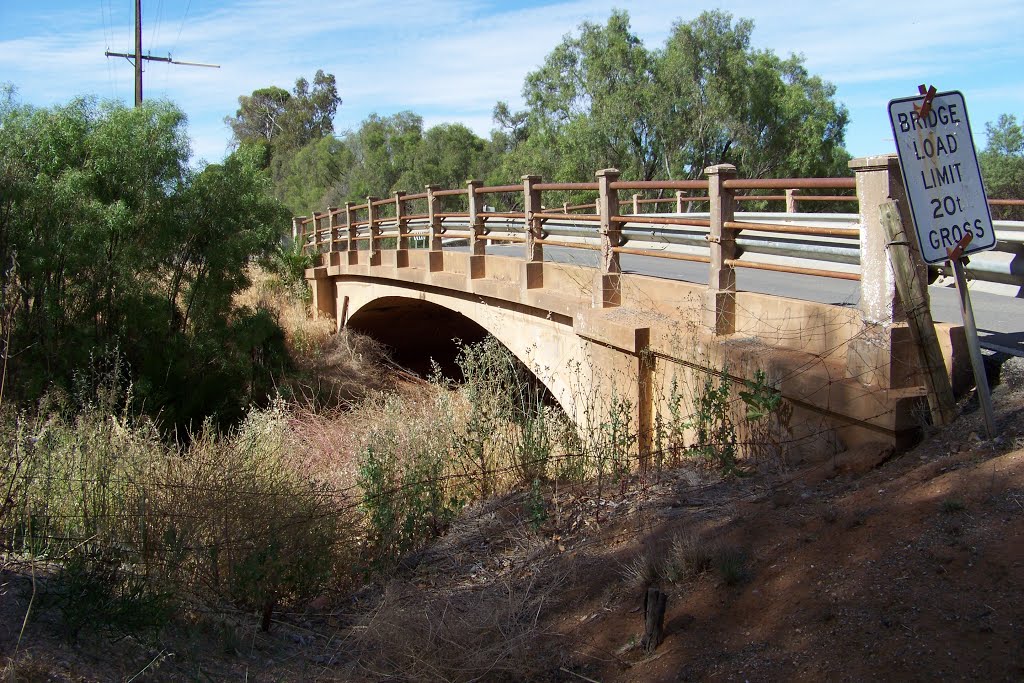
[732,565]
[535,506]
[760,398]
[602,99]
[303,177]
[715,432]
[287,121]
[133,520]
[110,239]
[94,591]
[1002,165]
[406,496]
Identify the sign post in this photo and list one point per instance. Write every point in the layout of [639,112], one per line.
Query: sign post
[947,198]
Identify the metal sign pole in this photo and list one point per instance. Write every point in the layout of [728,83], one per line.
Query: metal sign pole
[971,330]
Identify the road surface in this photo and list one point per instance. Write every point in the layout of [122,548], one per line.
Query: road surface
[1000,319]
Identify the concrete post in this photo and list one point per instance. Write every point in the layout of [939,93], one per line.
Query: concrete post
[532,276]
[679,201]
[299,228]
[334,220]
[477,244]
[636,204]
[371,218]
[720,298]
[350,235]
[435,258]
[791,200]
[882,354]
[316,237]
[402,230]
[476,221]
[532,222]
[608,289]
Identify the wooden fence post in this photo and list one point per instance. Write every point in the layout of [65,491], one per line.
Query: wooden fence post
[679,201]
[299,229]
[636,204]
[607,289]
[720,299]
[914,294]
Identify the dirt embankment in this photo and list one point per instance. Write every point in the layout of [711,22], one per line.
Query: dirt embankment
[913,570]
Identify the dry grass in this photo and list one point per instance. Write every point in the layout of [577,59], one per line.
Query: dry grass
[495,634]
[330,370]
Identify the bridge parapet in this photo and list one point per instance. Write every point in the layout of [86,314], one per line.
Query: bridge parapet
[853,368]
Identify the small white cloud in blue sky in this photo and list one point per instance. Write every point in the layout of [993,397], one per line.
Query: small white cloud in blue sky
[451,60]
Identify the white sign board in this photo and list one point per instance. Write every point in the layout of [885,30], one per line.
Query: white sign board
[941,174]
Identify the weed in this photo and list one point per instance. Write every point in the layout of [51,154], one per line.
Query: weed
[731,563]
[643,571]
[713,425]
[94,590]
[952,505]
[535,506]
[688,556]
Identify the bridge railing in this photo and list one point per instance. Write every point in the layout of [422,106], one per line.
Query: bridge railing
[625,220]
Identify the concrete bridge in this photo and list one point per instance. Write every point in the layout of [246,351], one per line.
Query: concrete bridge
[418,269]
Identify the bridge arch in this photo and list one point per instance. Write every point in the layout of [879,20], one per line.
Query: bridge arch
[546,343]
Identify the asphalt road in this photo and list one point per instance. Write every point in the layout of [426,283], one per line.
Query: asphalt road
[1000,319]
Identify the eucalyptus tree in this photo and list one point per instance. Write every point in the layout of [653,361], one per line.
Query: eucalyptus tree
[601,98]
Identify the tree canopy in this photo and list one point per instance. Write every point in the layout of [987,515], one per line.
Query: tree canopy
[110,242]
[603,99]
[286,122]
[600,99]
[1002,164]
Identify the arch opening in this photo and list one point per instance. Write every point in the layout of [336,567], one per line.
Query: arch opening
[417,332]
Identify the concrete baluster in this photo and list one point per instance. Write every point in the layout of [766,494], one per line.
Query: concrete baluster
[533,269]
[352,246]
[791,200]
[316,236]
[720,298]
[402,228]
[607,289]
[333,223]
[882,353]
[299,230]
[477,243]
[435,257]
[371,222]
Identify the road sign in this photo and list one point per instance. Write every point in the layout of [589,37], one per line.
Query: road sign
[941,173]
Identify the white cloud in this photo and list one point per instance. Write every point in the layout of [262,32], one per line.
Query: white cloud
[452,59]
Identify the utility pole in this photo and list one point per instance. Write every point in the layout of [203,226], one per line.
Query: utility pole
[137,58]
[138,53]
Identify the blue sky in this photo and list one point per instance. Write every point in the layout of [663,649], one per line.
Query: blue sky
[451,60]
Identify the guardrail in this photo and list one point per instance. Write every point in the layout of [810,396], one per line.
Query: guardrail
[815,244]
